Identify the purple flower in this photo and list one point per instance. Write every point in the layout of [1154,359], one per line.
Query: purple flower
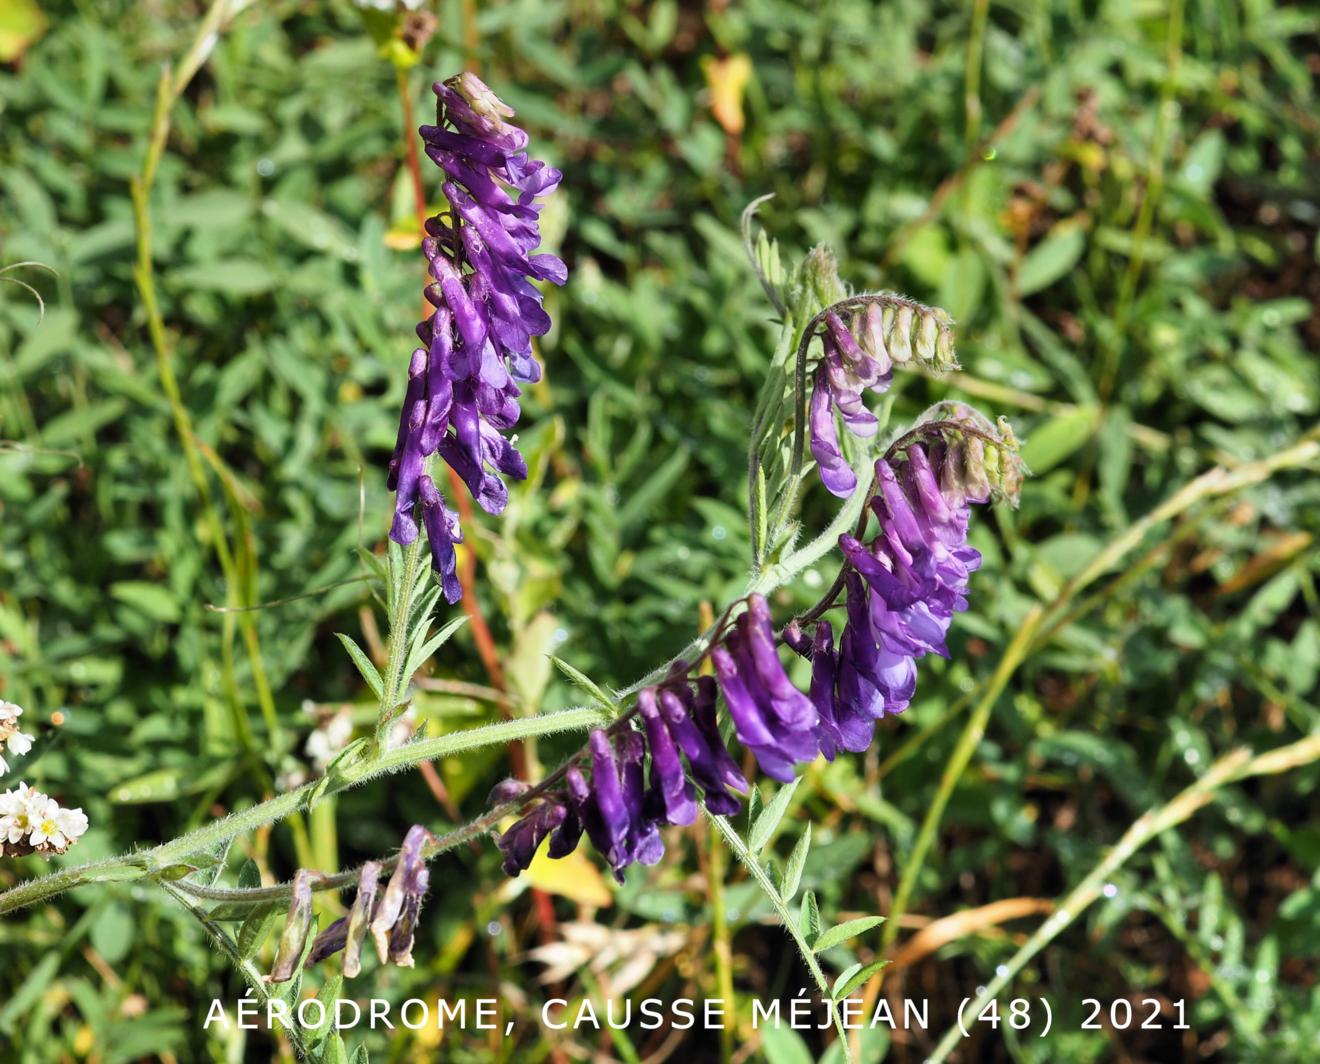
[771,717]
[903,589]
[846,369]
[671,796]
[463,381]
[691,720]
[520,842]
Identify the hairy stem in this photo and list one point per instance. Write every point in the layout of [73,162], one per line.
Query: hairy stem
[758,873]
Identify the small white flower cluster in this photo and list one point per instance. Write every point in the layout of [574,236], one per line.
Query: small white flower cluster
[32,822]
[15,741]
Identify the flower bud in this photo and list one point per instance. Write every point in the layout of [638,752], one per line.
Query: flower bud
[818,280]
[900,336]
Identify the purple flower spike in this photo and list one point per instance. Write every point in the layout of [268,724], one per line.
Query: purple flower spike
[462,391]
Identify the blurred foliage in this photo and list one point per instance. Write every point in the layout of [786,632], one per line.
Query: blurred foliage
[1116,201]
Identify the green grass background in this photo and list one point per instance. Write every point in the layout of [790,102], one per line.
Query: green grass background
[1118,203]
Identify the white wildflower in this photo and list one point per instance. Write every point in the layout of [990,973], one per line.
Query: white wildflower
[16,814]
[32,822]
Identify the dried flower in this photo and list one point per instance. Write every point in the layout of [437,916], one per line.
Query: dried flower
[297,925]
[463,381]
[391,917]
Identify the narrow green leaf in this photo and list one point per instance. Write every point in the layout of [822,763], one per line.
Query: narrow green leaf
[753,804]
[843,978]
[424,649]
[793,870]
[335,1052]
[857,975]
[582,680]
[809,916]
[1051,259]
[844,931]
[255,929]
[329,991]
[766,823]
[364,665]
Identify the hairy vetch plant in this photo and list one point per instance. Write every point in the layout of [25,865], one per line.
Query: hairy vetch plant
[661,752]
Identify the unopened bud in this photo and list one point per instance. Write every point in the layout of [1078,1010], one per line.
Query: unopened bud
[818,279]
[900,335]
[480,98]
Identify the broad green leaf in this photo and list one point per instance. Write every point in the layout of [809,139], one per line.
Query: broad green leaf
[783,1045]
[1051,259]
[1059,437]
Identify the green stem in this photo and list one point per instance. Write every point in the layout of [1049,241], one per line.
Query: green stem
[789,921]
[170,855]
[400,641]
[1149,201]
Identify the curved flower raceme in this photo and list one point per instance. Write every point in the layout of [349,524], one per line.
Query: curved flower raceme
[903,589]
[462,393]
[862,338]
